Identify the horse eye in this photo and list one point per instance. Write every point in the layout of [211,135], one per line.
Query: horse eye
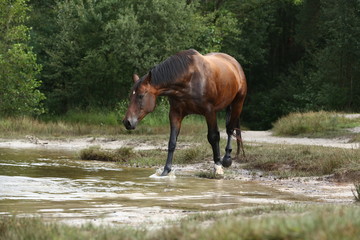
[140,96]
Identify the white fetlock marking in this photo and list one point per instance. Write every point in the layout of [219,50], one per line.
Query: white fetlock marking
[218,170]
[158,172]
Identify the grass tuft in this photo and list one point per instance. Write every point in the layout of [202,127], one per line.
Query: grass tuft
[209,175]
[193,154]
[119,155]
[313,124]
[356,191]
[300,161]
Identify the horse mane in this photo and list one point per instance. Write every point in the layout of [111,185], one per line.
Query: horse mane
[172,68]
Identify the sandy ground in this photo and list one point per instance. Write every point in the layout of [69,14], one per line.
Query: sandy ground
[73,144]
[106,143]
[267,137]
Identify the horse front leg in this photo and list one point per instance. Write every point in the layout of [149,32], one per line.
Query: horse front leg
[214,138]
[175,125]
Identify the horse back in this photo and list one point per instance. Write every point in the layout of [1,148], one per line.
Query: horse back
[225,64]
[224,79]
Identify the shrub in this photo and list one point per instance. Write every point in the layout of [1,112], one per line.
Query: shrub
[309,123]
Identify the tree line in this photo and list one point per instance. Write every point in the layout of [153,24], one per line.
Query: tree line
[298,55]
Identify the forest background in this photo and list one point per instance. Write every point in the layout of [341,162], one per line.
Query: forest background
[60,56]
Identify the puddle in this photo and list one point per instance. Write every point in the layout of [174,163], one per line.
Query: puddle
[55,186]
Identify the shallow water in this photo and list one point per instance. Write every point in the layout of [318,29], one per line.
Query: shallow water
[56,186]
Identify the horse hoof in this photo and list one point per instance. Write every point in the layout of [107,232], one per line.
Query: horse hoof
[165,172]
[226,162]
[218,170]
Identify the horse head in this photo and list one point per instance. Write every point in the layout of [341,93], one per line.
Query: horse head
[142,101]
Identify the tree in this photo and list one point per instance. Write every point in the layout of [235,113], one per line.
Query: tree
[266,48]
[338,60]
[100,44]
[19,92]
[327,76]
[297,55]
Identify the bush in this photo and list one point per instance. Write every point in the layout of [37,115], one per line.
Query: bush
[309,123]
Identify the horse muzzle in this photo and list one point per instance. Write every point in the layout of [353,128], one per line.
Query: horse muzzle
[130,124]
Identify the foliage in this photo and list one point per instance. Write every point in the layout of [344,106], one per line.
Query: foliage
[298,55]
[101,44]
[19,93]
[338,60]
[266,48]
[325,75]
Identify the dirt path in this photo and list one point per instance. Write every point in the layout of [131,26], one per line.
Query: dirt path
[267,137]
[106,143]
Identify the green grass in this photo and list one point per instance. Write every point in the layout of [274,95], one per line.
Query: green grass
[91,117]
[194,154]
[288,223]
[298,160]
[99,122]
[78,124]
[22,126]
[269,222]
[314,124]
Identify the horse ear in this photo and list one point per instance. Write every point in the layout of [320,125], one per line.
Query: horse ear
[135,78]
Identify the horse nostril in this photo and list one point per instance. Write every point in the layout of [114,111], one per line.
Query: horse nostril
[127,123]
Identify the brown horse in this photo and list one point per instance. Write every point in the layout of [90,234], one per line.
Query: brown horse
[194,84]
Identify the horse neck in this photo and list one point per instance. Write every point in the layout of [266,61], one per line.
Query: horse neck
[171,90]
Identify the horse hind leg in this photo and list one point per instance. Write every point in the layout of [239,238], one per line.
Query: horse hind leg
[239,142]
[226,161]
[233,124]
